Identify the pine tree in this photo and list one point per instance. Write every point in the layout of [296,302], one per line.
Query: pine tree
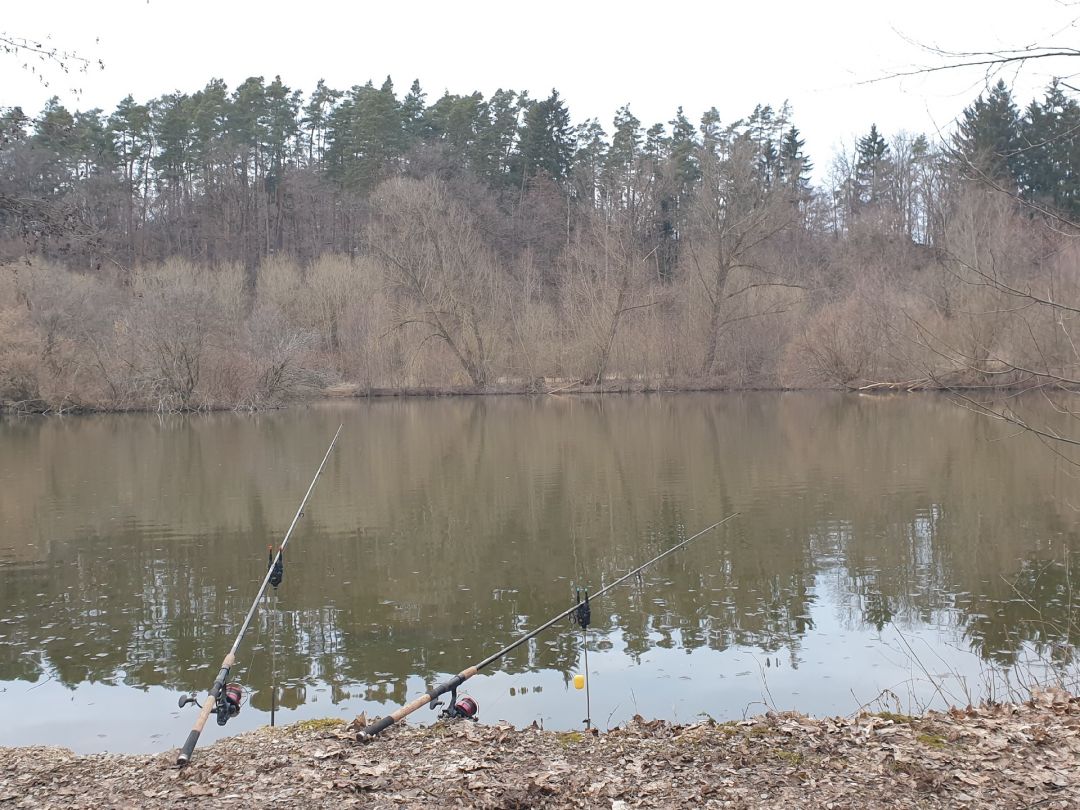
[459,124]
[546,141]
[987,141]
[171,121]
[712,135]
[281,127]
[365,137]
[93,144]
[133,141]
[763,131]
[872,169]
[589,161]
[14,125]
[209,111]
[685,168]
[413,107]
[55,141]
[795,166]
[677,177]
[244,124]
[497,136]
[621,166]
[317,118]
[1049,163]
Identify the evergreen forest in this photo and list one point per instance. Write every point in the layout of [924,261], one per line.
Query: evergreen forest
[239,247]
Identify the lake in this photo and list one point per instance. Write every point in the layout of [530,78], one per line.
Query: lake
[891,551]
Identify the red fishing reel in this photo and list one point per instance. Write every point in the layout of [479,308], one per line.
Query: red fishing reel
[463,708]
[228,703]
[467,707]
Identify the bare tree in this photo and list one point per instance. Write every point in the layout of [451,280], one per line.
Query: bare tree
[172,321]
[1007,270]
[606,279]
[734,215]
[446,278]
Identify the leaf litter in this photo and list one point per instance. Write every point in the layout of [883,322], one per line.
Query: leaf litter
[997,755]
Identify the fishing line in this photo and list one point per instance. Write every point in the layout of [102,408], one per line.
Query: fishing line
[225,698]
[467,707]
[255,646]
[275,627]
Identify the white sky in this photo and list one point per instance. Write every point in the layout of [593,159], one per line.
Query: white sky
[598,54]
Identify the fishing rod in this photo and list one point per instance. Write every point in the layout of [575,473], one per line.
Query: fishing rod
[467,707]
[224,700]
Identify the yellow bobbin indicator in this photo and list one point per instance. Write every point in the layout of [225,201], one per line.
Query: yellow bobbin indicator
[579,681]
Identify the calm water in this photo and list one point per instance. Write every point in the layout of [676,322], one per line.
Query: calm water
[898,544]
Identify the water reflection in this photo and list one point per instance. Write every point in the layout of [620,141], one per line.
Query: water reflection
[872,529]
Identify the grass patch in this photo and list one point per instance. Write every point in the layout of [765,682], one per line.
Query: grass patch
[931,740]
[568,738]
[897,718]
[792,758]
[318,724]
[759,731]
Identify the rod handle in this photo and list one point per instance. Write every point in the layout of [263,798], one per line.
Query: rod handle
[184,757]
[378,727]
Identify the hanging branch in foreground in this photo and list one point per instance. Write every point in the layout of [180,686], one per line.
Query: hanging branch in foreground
[40,56]
[991,61]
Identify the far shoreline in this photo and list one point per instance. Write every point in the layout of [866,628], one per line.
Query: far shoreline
[347,391]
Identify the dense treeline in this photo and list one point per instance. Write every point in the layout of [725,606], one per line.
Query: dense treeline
[232,247]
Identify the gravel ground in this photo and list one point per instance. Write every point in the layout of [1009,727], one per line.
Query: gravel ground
[1001,756]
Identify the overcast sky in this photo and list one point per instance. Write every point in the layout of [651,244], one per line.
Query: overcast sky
[599,55]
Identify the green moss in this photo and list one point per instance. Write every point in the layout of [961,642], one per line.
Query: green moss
[568,738]
[931,740]
[318,724]
[897,718]
[791,757]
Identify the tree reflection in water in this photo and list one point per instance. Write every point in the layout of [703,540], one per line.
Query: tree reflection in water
[130,545]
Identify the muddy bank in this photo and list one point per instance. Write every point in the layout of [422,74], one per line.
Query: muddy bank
[41,407]
[355,391]
[1015,756]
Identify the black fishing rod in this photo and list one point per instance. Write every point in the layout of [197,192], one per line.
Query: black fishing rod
[224,700]
[469,708]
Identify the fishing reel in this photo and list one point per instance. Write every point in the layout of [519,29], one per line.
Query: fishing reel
[226,704]
[464,709]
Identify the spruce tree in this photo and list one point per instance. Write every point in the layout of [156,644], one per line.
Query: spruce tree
[872,169]
[546,141]
[795,166]
[1049,163]
[987,141]
[14,124]
[412,111]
